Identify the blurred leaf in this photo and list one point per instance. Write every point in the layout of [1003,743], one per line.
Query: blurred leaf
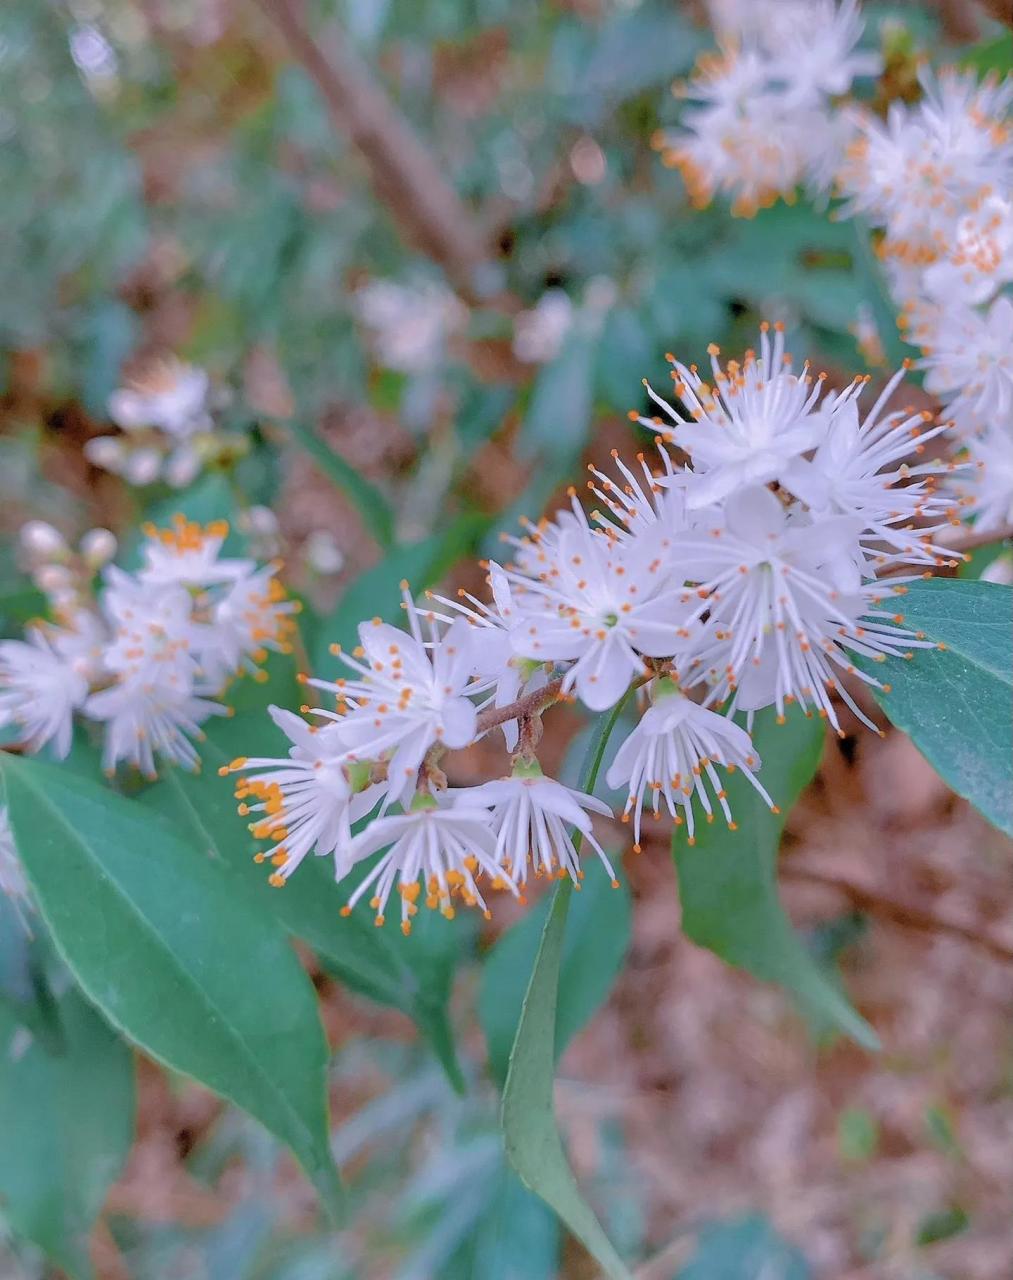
[728,879]
[876,293]
[110,333]
[67,1119]
[200,976]
[991,56]
[517,1238]
[749,1249]
[857,1134]
[625,357]
[594,947]
[942,1225]
[376,592]
[533,1143]
[364,496]
[954,703]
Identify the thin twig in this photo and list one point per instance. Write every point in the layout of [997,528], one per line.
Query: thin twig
[907,914]
[972,539]
[529,705]
[407,177]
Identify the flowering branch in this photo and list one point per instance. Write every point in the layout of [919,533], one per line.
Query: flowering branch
[530,705]
[407,177]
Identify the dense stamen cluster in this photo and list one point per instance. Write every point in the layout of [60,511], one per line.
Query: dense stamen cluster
[148,654]
[744,578]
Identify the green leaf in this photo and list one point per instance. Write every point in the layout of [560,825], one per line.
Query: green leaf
[594,947]
[410,974]
[376,593]
[365,497]
[955,703]
[190,968]
[67,1119]
[869,271]
[747,1249]
[533,1144]
[728,879]
[991,55]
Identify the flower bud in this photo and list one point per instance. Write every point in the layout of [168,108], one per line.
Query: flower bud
[97,547]
[41,541]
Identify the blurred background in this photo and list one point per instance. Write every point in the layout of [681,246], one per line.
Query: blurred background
[425,253]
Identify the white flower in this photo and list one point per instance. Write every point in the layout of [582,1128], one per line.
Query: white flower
[919,173]
[979,258]
[534,819]
[13,882]
[433,854]
[749,426]
[409,694]
[785,607]
[985,488]
[305,801]
[170,396]
[860,469]
[539,333]
[602,604]
[813,49]
[671,754]
[973,355]
[252,616]
[145,716]
[410,324]
[153,632]
[188,554]
[41,688]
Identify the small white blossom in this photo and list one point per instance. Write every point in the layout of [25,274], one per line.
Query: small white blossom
[170,396]
[13,882]
[535,819]
[670,756]
[433,854]
[41,688]
[539,333]
[409,324]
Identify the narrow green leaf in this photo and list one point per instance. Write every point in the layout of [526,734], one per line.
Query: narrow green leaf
[365,497]
[728,879]
[410,974]
[746,1249]
[533,1144]
[955,703]
[594,947]
[191,969]
[67,1120]
[375,593]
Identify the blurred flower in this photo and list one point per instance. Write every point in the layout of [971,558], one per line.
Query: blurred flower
[540,332]
[323,552]
[409,324]
[13,882]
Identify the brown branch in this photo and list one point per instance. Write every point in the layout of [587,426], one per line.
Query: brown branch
[529,705]
[906,914]
[407,177]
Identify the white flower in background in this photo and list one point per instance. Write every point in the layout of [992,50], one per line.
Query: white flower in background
[540,332]
[251,617]
[13,882]
[188,554]
[979,259]
[40,689]
[168,430]
[536,821]
[973,356]
[985,486]
[670,756]
[411,324]
[603,605]
[434,855]
[919,173]
[409,695]
[765,122]
[323,552]
[148,718]
[169,396]
[756,418]
[303,802]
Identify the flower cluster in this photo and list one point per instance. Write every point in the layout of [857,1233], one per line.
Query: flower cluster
[167,431]
[764,122]
[936,178]
[148,654]
[750,576]
[409,324]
